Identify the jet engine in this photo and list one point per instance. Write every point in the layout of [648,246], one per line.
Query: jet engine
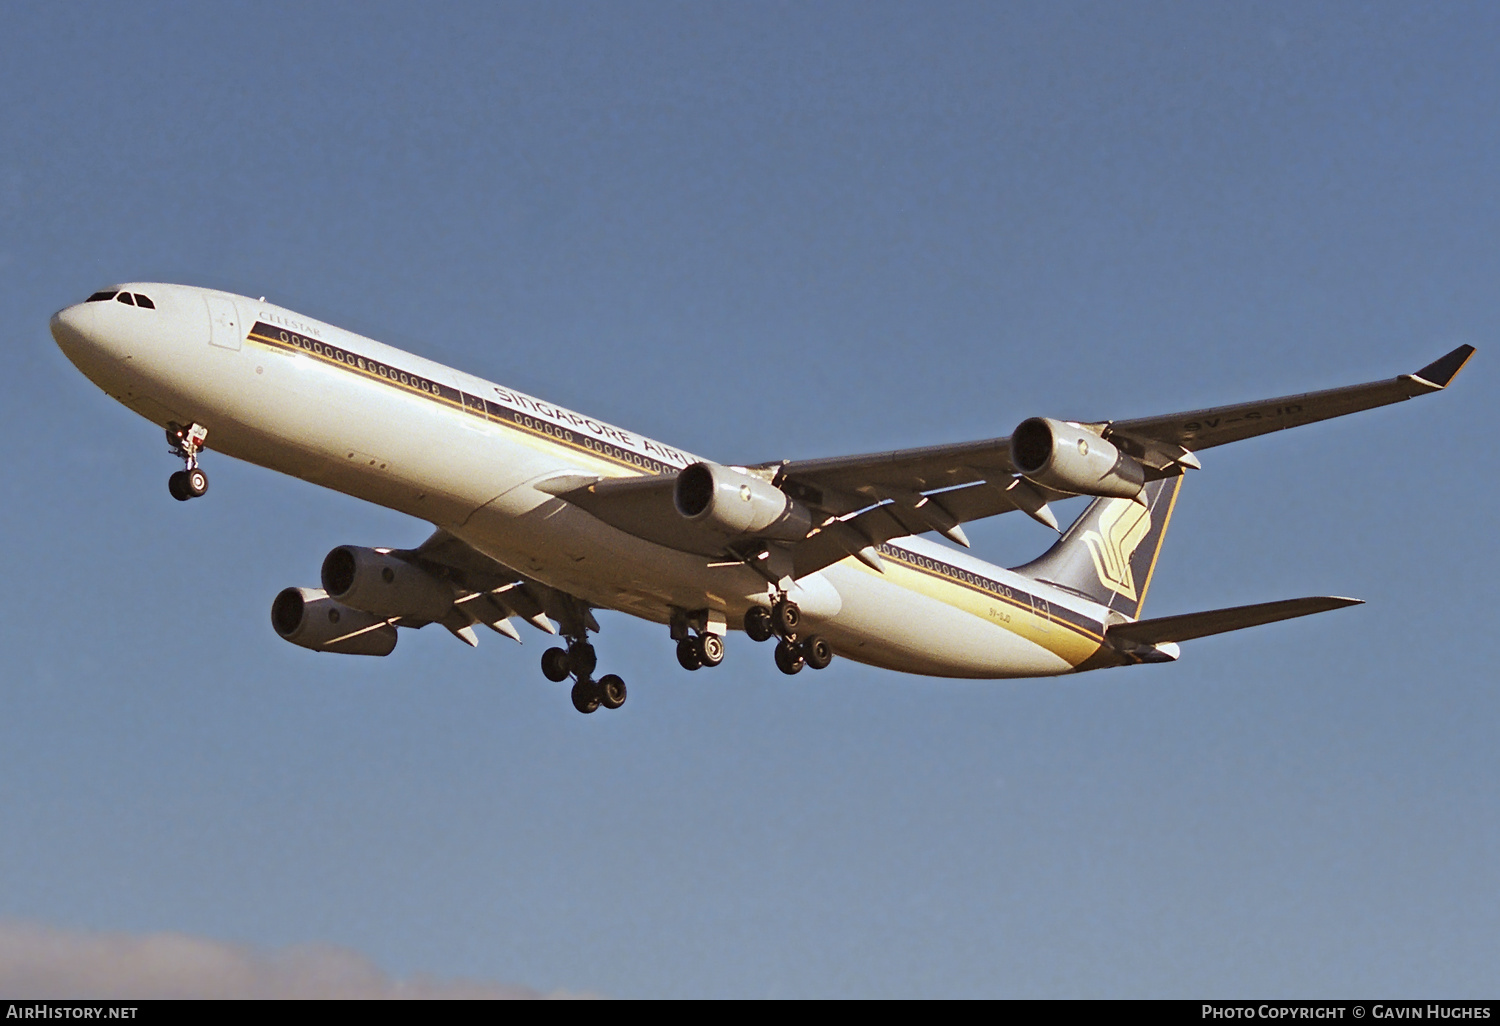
[738,505]
[379,583]
[308,617]
[1069,458]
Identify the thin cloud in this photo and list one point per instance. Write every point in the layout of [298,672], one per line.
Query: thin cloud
[39,962]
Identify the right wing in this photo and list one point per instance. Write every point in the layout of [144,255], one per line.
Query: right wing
[862,501]
[1202,429]
[843,483]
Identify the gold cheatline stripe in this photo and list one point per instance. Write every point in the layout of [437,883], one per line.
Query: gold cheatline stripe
[459,404]
[908,560]
[1161,540]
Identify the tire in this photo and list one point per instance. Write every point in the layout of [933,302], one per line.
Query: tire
[582,659]
[788,658]
[786,618]
[196,482]
[710,649]
[586,696]
[816,651]
[758,624]
[555,665]
[687,654]
[611,691]
[177,485]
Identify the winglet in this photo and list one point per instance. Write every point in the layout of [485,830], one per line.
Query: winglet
[1444,369]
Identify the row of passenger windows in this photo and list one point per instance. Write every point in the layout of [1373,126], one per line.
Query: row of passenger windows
[128,298]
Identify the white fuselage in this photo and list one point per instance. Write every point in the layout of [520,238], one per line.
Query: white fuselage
[299,396]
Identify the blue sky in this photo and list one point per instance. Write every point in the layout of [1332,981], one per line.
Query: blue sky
[758,232]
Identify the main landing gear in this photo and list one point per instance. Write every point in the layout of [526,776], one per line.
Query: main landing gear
[700,638]
[578,661]
[704,646]
[783,622]
[187,442]
[699,651]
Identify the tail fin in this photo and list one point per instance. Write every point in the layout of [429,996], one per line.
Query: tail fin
[1109,553]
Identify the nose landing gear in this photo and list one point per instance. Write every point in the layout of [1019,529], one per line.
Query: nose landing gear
[187,442]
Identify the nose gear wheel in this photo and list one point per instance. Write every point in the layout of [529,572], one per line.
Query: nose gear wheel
[186,443]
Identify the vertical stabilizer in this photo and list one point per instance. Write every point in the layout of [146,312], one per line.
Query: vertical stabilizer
[1109,553]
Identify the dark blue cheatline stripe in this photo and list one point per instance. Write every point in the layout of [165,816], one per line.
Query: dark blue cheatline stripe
[991,588]
[485,409]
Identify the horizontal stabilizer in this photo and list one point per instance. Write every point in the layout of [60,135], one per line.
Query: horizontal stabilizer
[1220,621]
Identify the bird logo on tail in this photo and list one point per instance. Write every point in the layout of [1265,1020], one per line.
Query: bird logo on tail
[1122,527]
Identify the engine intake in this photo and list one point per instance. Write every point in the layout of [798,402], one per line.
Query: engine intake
[308,617]
[738,505]
[1068,458]
[379,583]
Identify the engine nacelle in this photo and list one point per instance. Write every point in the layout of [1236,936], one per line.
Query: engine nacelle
[1068,458]
[379,583]
[308,617]
[738,505]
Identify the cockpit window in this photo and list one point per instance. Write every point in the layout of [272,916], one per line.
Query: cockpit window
[124,297]
[100,297]
[145,301]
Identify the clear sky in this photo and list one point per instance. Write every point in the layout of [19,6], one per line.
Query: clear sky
[763,231]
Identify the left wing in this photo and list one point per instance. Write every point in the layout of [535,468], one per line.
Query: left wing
[492,594]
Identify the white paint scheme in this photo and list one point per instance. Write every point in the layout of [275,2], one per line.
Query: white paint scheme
[189,361]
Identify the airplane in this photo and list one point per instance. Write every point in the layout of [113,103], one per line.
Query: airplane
[544,515]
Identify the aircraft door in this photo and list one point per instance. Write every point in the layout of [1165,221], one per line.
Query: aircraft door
[1043,612]
[224,329]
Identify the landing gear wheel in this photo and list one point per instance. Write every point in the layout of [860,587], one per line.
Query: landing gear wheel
[788,657]
[582,659]
[586,696]
[177,484]
[196,482]
[816,651]
[611,691]
[786,617]
[687,654]
[758,624]
[709,649]
[556,665]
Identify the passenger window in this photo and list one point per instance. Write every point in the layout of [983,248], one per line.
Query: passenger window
[144,301]
[124,297]
[100,297]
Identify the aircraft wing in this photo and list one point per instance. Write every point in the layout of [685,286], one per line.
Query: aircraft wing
[844,484]
[491,593]
[1201,429]
[865,500]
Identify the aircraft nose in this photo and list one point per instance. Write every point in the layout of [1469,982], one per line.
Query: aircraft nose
[71,327]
